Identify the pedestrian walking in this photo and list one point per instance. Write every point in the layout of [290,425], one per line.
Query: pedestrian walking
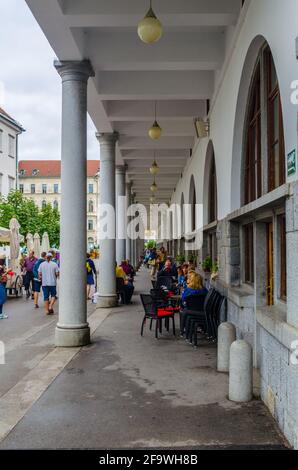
[28,266]
[36,280]
[48,273]
[3,279]
[91,270]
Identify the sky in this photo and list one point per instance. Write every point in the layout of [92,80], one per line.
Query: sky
[30,87]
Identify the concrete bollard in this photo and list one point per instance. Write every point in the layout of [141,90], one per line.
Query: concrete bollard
[226,337]
[241,372]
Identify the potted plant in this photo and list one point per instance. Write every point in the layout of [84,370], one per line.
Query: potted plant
[180,259]
[193,259]
[214,271]
[207,264]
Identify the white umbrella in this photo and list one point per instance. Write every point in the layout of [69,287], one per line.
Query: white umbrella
[36,245]
[4,235]
[29,240]
[45,243]
[14,242]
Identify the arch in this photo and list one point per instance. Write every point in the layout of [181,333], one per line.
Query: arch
[258,159]
[240,120]
[210,186]
[192,201]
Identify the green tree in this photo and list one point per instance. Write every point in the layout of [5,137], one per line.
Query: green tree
[29,216]
[49,221]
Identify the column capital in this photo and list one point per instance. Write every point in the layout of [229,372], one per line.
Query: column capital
[79,70]
[107,137]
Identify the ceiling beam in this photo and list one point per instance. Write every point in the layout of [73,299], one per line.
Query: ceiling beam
[122,51]
[131,143]
[155,85]
[140,7]
[160,153]
[169,128]
[143,110]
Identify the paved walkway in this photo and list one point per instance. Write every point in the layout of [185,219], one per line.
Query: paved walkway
[125,391]
[28,335]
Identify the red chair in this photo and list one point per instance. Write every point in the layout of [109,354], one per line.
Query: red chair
[156,312]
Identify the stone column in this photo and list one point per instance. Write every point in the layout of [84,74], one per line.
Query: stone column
[128,239]
[120,214]
[72,329]
[107,278]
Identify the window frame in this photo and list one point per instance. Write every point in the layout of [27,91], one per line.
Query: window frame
[248,271]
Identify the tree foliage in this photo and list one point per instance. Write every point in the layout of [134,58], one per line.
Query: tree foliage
[30,217]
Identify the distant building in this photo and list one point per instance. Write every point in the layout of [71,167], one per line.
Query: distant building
[9,132]
[40,180]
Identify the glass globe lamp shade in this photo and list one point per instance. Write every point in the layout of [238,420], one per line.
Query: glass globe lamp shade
[153,188]
[155,131]
[154,170]
[150,28]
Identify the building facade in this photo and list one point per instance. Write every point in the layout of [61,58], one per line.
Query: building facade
[233,65]
[41,181]
[9,132]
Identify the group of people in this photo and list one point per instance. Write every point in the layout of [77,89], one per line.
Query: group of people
[38,274]
[41,274]
[125,274]
[189,282]
[155,259]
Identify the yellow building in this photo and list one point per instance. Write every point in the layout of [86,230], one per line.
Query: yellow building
[41,181]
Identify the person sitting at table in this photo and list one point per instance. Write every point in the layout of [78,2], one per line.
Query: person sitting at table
[194,286]
[127,287]
[168,270]
[128,269]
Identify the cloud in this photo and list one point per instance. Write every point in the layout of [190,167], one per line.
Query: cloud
[30,87]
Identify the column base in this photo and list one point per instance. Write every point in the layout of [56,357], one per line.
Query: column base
[72,338]
[107,301]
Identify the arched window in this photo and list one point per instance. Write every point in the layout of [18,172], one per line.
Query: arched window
[90,206]
[43,204]
[55,205]
[276,145]
[253,163]
[212,209]
[264,168]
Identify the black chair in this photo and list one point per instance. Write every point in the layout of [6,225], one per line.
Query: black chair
[164,282]
[214,316]
[194,309]
[153,312]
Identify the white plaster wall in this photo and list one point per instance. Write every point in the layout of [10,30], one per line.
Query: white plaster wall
[7,163]
[277,22]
